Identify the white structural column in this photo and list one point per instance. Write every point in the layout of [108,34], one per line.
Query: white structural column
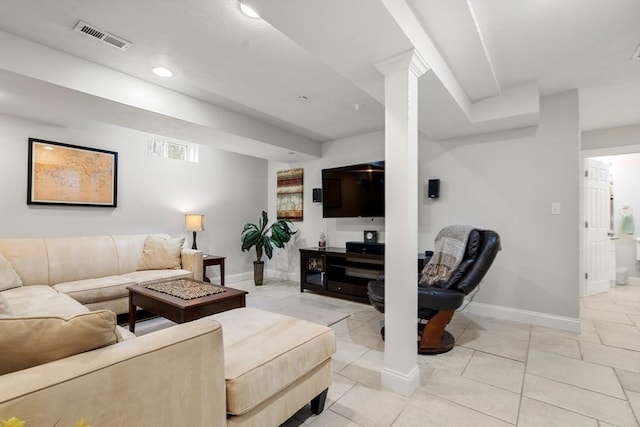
[401,373]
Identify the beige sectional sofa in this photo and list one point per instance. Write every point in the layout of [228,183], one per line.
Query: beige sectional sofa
[243,367]
[94,271]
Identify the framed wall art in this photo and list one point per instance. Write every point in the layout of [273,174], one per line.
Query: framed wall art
[290,191]
[64,174]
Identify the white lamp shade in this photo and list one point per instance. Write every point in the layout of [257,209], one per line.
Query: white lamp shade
[194,222]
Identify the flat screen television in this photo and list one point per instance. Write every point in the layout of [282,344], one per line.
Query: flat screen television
[353,191]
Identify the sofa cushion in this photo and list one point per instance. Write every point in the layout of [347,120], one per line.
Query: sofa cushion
[79,258]
[31,341]
[8,276]
[29,259]
[146,276]
[34,291]
[5,308]
[96,290]
[265,352]
[41,301]
[160,254]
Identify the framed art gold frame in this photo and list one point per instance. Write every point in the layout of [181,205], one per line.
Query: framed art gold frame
[64,174]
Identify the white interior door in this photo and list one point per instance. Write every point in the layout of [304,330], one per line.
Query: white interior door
[597,226]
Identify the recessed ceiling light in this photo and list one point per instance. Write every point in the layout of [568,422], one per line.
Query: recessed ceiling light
[162,72]
[248,11]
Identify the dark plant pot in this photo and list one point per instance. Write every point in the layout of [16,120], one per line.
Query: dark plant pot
[258,272]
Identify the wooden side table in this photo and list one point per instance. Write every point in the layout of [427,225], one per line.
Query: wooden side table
[208,260]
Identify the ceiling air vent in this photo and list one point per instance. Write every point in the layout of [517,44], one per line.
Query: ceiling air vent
[102,35]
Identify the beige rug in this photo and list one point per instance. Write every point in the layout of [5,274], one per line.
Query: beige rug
[288,306]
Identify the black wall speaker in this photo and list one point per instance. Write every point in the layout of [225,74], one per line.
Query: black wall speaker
[433,189]
[317,194]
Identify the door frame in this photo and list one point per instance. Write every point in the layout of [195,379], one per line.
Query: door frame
[584,155]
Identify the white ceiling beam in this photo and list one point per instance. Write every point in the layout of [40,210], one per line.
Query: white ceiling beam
[453,28]
[521,102]
[412,28]
[484,59]
[513,101]
[347,36]
[42,63]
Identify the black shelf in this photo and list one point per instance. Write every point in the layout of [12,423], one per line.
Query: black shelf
[355,264]
[314,279]
[339,273]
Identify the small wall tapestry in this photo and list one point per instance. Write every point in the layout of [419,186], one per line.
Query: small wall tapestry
[290,192]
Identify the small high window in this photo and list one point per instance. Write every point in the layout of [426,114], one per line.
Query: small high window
[173,150]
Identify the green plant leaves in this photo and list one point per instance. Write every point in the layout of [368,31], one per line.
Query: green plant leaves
[280,233]
[264,238]
[250,236]
[263,221]
[268,249]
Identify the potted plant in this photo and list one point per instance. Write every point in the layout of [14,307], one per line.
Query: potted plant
[265,239]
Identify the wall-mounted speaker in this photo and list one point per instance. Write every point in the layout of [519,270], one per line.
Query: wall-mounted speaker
[433,189]
[317,195]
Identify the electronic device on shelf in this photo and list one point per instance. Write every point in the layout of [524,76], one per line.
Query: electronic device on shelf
[370,236]
[366,248]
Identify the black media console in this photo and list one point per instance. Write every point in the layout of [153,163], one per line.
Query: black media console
[338,273]
[341,273]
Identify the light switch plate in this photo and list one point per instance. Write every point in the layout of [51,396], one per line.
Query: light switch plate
[555,208]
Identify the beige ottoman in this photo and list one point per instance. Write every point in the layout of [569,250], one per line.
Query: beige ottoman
[274,365]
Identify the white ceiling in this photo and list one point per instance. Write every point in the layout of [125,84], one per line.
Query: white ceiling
[496,58]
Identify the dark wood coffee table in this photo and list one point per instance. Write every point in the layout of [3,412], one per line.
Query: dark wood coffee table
[182,310]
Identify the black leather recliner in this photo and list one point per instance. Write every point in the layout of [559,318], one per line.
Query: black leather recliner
[437,303]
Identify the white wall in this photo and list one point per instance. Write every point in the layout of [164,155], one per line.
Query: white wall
[358,149]
[623,136]
[503,182]
[508,185]
[153,193]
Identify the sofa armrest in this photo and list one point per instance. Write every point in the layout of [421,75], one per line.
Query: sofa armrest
[174,376]
[192,261]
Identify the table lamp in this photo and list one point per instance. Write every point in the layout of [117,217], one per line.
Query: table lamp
[195,223]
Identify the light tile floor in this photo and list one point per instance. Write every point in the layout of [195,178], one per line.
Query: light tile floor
[500,373]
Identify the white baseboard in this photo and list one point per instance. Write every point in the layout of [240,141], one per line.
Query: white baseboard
[248,275]
[400,383]
[532,317]
[283,275]
[239,277]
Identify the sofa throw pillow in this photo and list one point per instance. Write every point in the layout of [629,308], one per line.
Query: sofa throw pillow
[8,276]
[31,341]
[161,254]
